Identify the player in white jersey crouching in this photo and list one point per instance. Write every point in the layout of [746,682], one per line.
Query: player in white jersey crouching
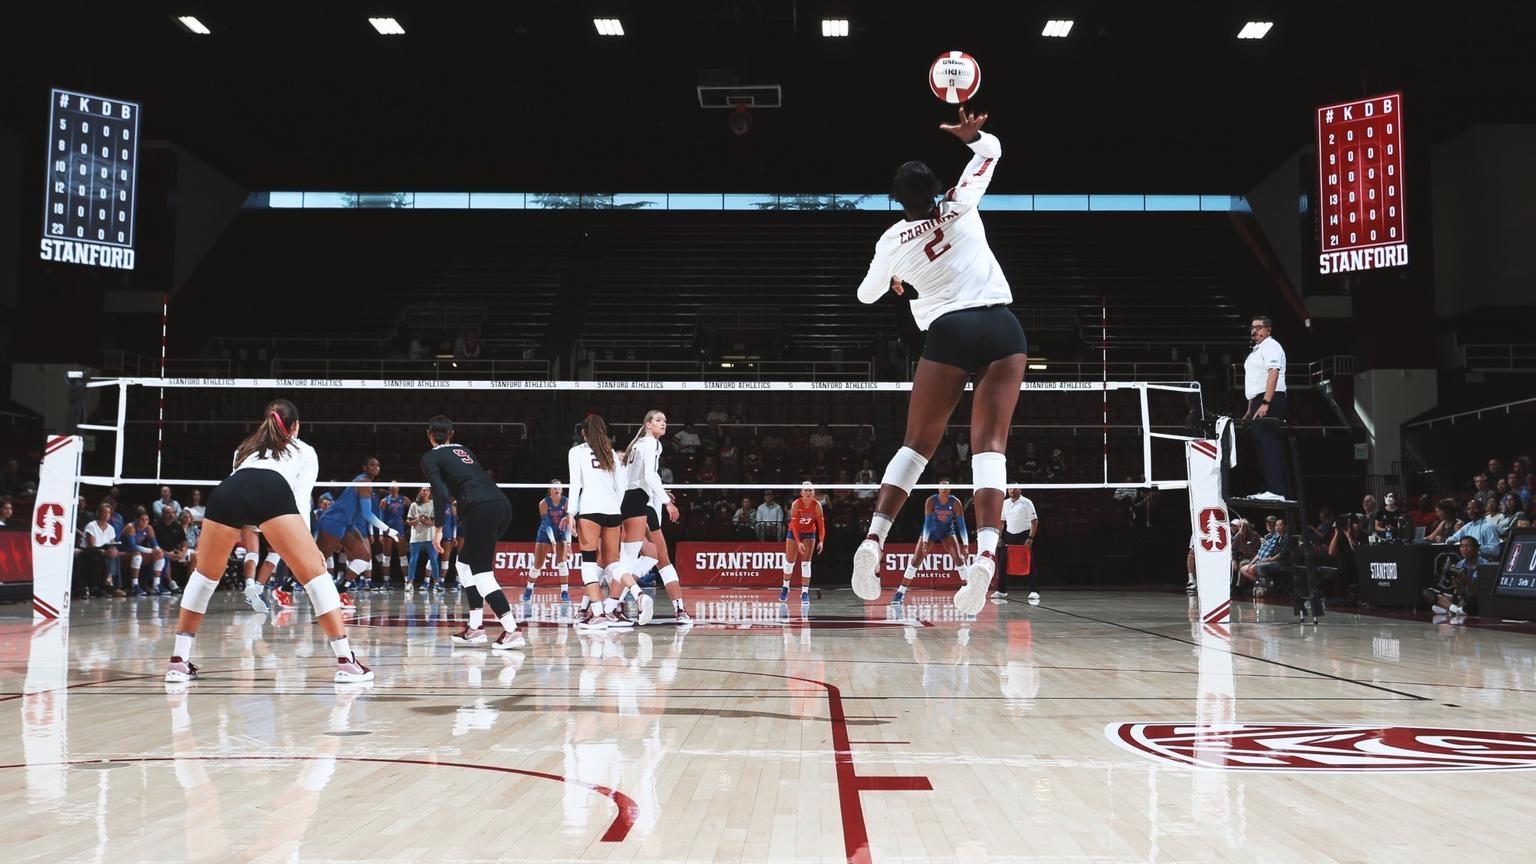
[939,260]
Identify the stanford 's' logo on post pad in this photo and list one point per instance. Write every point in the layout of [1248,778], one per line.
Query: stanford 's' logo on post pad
[1325,747]
[49,524]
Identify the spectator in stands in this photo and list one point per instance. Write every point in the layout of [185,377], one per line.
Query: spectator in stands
[717,415]
[866,477]
[1481,529]
[1449,595]
[665,471]
[1056,466]
[1495,469]
[821,440]
[707,472]
[1509,508]
[1518,488]
[138,538]
[773,443]
[743,520]
[962,448]
[7,515]
[712,437]
[467,346]
[10,478]
[863,442]
[165,501]
[739,413]
[687,440]
[1523,473]
[101,545]
[418,349]
[1272,560]
[1368,508]
[1319,534]
[730,461]
[1483,492]
[1029,465]
[173,541]
[752,458]
[770,518]
[1245,544]
[193,529]
[1446,523]
[196,506]
[1387,523]
[842,497]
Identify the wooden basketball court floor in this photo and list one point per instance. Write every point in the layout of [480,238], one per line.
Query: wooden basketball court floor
[1094,727]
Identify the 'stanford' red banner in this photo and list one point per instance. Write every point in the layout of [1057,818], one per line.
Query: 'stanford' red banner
[15,556]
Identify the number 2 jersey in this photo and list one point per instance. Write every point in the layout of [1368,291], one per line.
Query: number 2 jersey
[944,257]
[456,475]
[593,490]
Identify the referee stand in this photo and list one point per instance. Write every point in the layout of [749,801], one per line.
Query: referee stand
[1306,601]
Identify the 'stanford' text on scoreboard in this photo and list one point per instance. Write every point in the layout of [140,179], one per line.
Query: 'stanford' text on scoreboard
[81,252]
[1395,255]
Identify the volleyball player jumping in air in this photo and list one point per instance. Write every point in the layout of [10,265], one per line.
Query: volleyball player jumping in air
[939,255]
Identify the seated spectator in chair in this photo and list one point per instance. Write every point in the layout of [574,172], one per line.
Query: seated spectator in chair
[1245,544]
[173,543]
[866,477]
[1509,508]
[1343,543]
[10,478]
[744,520]
[707,472]
[770,518]
[143,549]
[773,443]
[752,458]
[1495,469]
[821,440]
[712,437]
[165,502]
[196,507]
[1056,465]
[1481,529]
[1029,464]
[8,516]
[1458,584]
[193,529]
[1271,562]
[1483,492]
[863,442]
[101,544]
[1387,524]
[1518,488]
[1446,522]
[717,415]
[665,471]
[729,461]
[467,346]
[1319,535]
[687,440]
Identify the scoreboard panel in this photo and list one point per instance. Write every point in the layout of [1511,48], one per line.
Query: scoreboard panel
[93,171]
[1360,185]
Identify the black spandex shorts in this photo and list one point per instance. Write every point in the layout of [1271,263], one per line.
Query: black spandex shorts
[971,338]
[250,496]
[637,503]
[603,520]
[481,524]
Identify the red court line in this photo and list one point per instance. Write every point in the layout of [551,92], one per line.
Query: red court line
[617,830]
[879,742]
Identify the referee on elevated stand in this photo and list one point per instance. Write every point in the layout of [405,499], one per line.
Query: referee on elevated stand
[1264,387]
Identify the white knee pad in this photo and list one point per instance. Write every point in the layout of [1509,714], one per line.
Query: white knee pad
[466,576]
[630,551]
[199,590]
[274,559]
[322,595]
[669,575]
[136,561]
[359,566]
[591,574]
[486,583]
[904,469]
[252,557]
[989,471]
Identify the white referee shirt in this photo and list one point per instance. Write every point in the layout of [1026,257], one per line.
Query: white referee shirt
[298,464]
[593,490]
[1265,356]
[1018,515]
[945,258]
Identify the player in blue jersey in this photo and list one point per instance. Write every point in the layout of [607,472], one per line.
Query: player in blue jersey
[347,523]
[391,509]
[452,543]
[552,539]
[943,523]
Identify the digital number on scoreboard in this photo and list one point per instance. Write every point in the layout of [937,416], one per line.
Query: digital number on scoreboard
[93,168]
[1360,180]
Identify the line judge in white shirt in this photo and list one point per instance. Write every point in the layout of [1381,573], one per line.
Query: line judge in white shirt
[1021,523]
[1264,388]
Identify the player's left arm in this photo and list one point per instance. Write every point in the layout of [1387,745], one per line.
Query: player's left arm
[960,529]
[879,279]
[821,528]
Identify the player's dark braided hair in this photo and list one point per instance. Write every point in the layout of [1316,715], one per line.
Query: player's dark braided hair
[915,187]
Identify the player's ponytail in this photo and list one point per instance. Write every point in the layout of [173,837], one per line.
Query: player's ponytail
[629,454]
[440,428]
[594,431]
[272,436]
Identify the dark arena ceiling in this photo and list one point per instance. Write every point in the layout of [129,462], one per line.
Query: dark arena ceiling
[479,95]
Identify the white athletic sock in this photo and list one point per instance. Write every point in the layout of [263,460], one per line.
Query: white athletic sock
[476,618]
[880,525]
[610,604]
[565,575]
[677,603]
[342,647]
[184,645]
[533,577]
[585,602]
[986,541]
[250,583]
[509,620]
[909,575]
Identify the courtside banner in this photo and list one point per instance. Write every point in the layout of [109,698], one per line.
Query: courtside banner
[15,557]
[514,559]
[744,564]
